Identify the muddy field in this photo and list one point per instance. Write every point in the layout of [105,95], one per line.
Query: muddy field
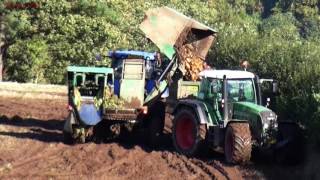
[31,148]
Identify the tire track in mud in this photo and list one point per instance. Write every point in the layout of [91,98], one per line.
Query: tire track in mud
[119,158]
[208,169]
[230,171]
[32,158]
[182,164]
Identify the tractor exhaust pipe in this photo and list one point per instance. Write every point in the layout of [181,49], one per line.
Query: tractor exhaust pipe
[225,101]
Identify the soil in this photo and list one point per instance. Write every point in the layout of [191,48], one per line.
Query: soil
[31,148]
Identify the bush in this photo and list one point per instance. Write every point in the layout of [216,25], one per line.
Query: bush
[28,61]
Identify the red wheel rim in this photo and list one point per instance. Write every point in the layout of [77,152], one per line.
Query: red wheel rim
[184,133]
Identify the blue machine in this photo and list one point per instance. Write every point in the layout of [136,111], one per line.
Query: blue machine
[89,114]
[132,54]
[119,56]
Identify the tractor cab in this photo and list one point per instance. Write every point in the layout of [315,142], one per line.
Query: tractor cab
[235,95]
[239,86]
[147,64]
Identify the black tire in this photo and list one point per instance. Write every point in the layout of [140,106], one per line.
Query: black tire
[155,132]
[155,125]
[294,151]
[67,136]
[188,135]
[70,136]
[68,139]
[238,146]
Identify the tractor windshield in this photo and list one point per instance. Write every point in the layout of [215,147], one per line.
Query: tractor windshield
[241,90]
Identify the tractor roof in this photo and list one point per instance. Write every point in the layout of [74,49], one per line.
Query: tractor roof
[83,69]
[131,54]
[230,74]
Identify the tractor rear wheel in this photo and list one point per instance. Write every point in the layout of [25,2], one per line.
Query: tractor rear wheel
[238,146]
[188,134]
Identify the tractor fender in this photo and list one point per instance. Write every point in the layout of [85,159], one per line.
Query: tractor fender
[197,106]
[236,121]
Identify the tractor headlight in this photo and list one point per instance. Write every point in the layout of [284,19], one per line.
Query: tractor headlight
[269,120]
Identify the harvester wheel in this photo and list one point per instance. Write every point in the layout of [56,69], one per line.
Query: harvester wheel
[188,134]
[155,131]
[155,125]
[68,129]
[67,138]
[238,146]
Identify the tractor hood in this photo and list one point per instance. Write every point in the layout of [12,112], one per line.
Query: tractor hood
[260,118]
[247,110]
[166,28]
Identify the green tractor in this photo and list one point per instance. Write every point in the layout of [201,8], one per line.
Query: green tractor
[224,112]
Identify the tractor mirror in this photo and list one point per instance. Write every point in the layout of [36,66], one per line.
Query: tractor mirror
[274,87]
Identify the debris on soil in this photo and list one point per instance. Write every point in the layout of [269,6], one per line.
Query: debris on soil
[6,167]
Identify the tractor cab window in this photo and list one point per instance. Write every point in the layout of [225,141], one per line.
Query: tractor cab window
[216,88]
[100,80]
[90,80]
[241,90]
[109,79]
[211,88]
[90,83]
[79,80]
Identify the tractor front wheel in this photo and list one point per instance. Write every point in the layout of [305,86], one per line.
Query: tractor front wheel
[188,135]
[68,129]
[71,134]
[238,146]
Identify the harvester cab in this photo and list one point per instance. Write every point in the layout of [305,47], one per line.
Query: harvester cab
[152,66]
[86,85]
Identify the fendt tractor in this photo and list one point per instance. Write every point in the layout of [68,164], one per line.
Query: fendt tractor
[223,110]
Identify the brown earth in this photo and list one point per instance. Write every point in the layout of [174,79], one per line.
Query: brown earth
[31,148]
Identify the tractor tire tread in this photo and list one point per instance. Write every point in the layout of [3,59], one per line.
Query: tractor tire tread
[242,142]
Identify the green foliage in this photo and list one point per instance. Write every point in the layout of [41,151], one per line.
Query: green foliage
[30,58]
